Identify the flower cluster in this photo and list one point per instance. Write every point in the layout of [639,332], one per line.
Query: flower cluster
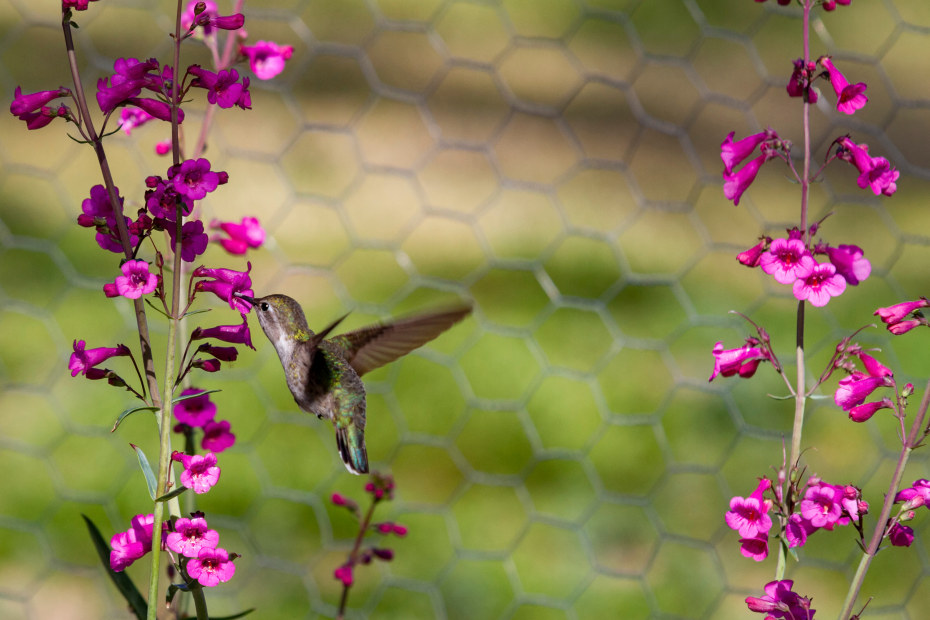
[855,388]
[198,411]
[789,261]
[380,487]
[823,506]
[201,557]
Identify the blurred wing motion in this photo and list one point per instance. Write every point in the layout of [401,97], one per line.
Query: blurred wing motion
[374,346]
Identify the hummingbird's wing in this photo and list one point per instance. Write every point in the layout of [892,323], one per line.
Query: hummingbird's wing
[374,346]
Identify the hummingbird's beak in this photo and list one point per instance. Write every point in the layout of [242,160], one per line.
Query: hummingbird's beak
[251,300]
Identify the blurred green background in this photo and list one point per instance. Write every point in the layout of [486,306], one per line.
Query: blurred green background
[561,453]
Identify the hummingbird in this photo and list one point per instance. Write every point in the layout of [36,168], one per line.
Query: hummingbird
[324,374]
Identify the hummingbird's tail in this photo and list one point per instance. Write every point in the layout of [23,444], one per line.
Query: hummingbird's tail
[351,443]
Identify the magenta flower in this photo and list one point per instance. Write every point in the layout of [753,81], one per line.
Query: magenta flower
[797,530]
[817,282]
[854,389]
[226,284]
[895,317]
[193,178]
[749,516]
[161,198]
[800,80]
[875,173]
[216,436]
[753,256]
[77,5]
[821,506]
[200,471]
[224,354]
[744,361]
[83,360]
[830,5]
[136,280]
[130,118]
[901,535]
[33,102]
[861,413]
[97,207]
[850,263]
[223,88]
[127,547]
[192,535]
[783,259]
[247,234]
[155,108]
[916,495]
[211,567]
[233,334]
[733,153]
[755,548]
[780,603]
[193,239]
[735,183]
[267,58]
[221,22]
[391,528]
[873,366]
[196,411]
[849,97]
[344,574]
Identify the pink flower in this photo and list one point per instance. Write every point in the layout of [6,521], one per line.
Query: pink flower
[25,104]
[797,530]
[861,413]
[188,17]
[193,239]
[77,5]
[267,58]
[817,282]
[733,153]
[226,284]
[130,118]
[83,359]
[894,316]
[391,528]
[216,436]
[196,411]
[901,535]
[223,88]
[755,548]
[744,361]
[136,280]
[749,516]
[247,234]
[849,97]
[211,567]
[735,183]
[781,603]
[850,263]
[753,256]
[783,259]
[234,334]
[194,179]
[854,389]
[190,536]
[873,366]
[344,574]
[875,173]
[129,546]
[821,506]
[200,471]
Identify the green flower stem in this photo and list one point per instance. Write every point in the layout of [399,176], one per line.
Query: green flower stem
[353,556]
[914,438]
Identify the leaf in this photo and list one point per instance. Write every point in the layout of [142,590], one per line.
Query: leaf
[121,580]
[150,480]
[238,615]
[172,590]
[171,495]
[157,309]
[185,397]
[193,312]
[123,415]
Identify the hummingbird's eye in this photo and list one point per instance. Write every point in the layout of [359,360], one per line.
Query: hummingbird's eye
[264,306]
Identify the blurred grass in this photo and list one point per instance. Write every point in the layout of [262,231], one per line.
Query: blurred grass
[561,453]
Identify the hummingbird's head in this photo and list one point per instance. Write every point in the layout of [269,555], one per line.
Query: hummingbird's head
[281,318]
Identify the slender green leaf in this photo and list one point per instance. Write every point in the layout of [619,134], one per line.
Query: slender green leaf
[186,396]
[150,480]
[238,615]
[156,309]
[131,410]
[193,312]
[171,495]
[121,580]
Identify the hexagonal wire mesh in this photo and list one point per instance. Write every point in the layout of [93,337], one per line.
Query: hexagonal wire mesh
[559,455]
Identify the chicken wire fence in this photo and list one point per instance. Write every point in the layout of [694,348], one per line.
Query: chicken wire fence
[554,162]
